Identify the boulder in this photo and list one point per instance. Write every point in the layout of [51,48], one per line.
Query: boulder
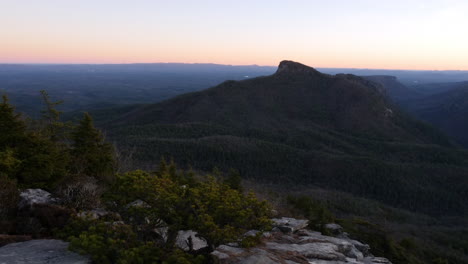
[40,252]
[30,197]
[334,229]
[190,241]
[289,225]
[251,233]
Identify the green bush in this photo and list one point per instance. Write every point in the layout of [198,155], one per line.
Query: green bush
[217,212]
[317,214]
[172,199]
[115,242]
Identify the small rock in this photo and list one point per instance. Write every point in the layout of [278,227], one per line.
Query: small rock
[289,225]
[188,241]
[251,233]
[93,214]
[275,230]
[333,228]
[364,248]
[162,232]
[233,244]
[40,252]
[138,203]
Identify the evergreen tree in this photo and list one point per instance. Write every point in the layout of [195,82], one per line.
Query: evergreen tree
[12,128]
[35,161]
[51,126]
[92,156]
[234,180]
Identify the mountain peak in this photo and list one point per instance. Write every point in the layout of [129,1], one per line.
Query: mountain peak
[287,66]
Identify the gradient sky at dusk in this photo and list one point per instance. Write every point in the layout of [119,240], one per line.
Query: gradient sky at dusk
[395,34]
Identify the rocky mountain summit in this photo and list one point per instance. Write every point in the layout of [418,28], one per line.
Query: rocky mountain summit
[291,243]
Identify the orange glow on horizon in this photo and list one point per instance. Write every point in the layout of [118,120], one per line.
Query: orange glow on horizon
[398,34]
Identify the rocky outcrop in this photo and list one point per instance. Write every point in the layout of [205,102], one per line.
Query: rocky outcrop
[300,246]
[40,252]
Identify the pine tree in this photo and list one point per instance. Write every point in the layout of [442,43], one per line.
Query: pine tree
[92,155]
[12,128]
[50,125]
[234,180]
[34,160]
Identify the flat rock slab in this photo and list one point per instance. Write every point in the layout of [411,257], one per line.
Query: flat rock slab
[43,251]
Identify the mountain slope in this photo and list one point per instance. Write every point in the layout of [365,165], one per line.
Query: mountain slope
[394,88]
[302,126]
[447,111]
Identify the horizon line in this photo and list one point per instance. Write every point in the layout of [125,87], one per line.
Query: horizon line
[212,63]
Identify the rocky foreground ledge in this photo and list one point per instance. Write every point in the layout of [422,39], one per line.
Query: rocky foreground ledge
[290,243]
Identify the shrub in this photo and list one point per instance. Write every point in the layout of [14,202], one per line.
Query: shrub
[317,214]
[217,212]
[81,194]
[116,242]
[9,197]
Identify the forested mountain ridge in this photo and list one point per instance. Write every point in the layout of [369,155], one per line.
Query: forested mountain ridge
[301,126]
[295,97]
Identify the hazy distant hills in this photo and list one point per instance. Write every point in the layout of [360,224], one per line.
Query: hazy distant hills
[407,77]
[91,86]
[301,126]
[447,110]
[85,87]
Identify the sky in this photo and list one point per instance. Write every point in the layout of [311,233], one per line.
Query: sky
[383,34]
